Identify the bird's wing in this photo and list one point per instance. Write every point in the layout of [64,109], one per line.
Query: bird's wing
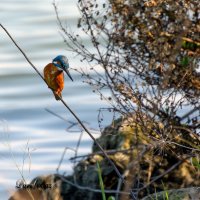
[60,81]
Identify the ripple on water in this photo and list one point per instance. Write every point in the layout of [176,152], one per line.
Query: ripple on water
[24,96]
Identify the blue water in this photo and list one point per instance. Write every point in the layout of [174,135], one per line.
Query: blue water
[32,139]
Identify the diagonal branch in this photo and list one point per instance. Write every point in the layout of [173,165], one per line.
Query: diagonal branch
[164,173]
[70,110]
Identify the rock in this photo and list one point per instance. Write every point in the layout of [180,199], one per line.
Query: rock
[180,194]
[40,188]
[140,157]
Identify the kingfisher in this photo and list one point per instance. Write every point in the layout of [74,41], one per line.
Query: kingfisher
[54,76]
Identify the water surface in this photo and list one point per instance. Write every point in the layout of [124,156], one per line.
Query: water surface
[32,139]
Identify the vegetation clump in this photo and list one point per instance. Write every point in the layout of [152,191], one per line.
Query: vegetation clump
[149,52]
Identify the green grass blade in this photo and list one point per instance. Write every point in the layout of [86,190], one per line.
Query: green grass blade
[101,181]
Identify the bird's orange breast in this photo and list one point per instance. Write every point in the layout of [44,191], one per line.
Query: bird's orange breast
[54,78]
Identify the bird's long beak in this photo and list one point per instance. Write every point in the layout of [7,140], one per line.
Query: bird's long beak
[67,72]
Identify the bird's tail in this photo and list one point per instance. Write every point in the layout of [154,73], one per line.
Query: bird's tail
[57,95]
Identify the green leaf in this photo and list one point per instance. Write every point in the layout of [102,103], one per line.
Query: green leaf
[189,45]
[185,61]
[101,181]
[111,198]
[196,163]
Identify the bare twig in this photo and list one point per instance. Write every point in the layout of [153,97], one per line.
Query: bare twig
[190,112]
[72,124]
[164,173]
[62,157]
[109,152]
[99,146]
[76,151]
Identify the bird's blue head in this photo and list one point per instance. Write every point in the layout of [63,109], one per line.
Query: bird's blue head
[61,62]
